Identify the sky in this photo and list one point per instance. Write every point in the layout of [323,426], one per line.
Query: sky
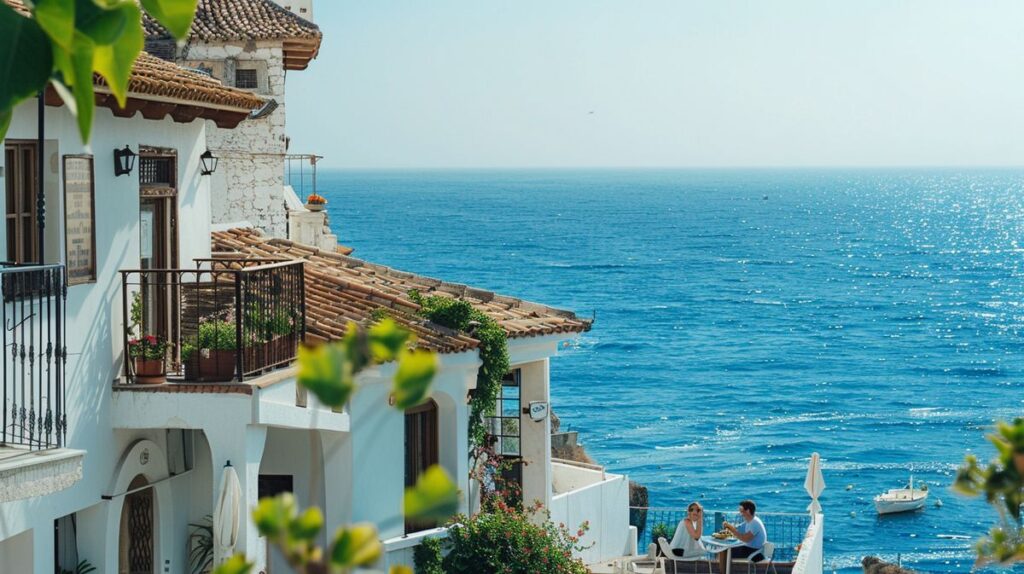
[662,83]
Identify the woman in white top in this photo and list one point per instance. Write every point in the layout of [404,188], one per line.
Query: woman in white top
[686,542]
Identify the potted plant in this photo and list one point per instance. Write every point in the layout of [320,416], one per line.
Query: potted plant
[271,336]
[212,354]
[148,353]
[316,202]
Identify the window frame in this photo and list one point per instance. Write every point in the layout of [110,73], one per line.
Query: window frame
[255,79]
[515,377]
[14,173]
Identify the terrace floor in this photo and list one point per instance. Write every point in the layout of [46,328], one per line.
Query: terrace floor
[644,565]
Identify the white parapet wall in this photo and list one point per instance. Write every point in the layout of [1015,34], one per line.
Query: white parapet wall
[811,559]
[601,499]
[399,551]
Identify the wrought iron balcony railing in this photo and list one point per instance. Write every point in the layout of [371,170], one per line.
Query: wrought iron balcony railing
[34,356]
[225,320]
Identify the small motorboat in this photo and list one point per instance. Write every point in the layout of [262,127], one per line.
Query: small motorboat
[902,499]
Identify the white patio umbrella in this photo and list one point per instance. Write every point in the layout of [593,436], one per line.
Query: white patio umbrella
[228,513]
[814,484]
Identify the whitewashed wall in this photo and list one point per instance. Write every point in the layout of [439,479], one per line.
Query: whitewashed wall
[811,559]
[94,310]
[370,472]
[603,502]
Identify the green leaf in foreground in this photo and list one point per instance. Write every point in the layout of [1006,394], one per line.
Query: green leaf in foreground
[234,565]
[326,371]
[175,15]
[57,19]
[102,25]
[435,496]
[114,61]
[356,545]
[5,122]
[416,370]
[307,525]
[387,340]
[273,516]
[26,58]
[82,53]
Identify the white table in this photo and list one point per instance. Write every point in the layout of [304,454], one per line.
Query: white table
[715,546]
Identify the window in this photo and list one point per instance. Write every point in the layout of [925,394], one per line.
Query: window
[421,450]
[505,425]
[22,187]
[79,219]
[156,171]
[246,79]
[274,484]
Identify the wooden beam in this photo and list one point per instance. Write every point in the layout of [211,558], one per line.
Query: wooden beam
[185,114]
[224,118]
[156,110]
[130,107]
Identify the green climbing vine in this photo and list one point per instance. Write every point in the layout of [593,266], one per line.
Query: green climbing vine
[459,315]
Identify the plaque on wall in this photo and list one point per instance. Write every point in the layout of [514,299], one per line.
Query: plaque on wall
[79,219]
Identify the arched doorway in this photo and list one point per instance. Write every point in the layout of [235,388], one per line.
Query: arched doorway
[421,449]
[135,555]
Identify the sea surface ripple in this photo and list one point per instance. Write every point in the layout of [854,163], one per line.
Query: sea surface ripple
[746,318]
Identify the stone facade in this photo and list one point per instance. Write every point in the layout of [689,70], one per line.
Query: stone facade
[248,184]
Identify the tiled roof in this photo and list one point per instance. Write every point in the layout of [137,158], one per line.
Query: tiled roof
[241,20]
[340,289]
[155,77]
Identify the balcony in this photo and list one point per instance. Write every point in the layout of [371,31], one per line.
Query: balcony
[34,355]
[33,460]
[226,320]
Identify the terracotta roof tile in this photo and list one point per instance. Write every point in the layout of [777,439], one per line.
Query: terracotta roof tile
[340,289]
[241,20]
[155,77]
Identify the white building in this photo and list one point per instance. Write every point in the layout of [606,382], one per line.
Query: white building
[96,465]
[250,45]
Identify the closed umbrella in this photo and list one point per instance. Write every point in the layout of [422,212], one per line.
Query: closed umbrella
[227,515]
[814,484]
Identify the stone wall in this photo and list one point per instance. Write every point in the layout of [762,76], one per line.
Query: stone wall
[249,180]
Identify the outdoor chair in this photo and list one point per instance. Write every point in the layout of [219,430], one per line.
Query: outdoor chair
[677,561]
[767,552]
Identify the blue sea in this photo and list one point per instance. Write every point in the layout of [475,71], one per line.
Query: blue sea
[747,318]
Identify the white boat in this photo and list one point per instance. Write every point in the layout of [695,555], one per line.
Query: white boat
[902,499]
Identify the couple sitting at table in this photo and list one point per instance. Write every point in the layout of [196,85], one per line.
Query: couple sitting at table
[686,543]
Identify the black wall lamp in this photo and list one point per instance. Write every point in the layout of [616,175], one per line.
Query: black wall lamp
[124,161]
[209,163]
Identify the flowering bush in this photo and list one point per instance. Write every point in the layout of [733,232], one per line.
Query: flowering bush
[315,199]
[506,541]
[149,347]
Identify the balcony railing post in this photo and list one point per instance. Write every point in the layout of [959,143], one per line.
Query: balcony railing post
[124,332]
[239,342]
[62,350]
[302,301]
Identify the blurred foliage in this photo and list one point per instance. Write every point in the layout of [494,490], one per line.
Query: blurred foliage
[1001,482]
[330,372]
[62,43]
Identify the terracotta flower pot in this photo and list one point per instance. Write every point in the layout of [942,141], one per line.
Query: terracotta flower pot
[150,371]
[316,206]
[1018,461]
[211,366]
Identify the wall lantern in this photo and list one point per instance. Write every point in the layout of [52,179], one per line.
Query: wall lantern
[209,163]
[124,161]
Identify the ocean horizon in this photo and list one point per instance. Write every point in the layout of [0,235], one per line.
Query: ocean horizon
[745,318]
